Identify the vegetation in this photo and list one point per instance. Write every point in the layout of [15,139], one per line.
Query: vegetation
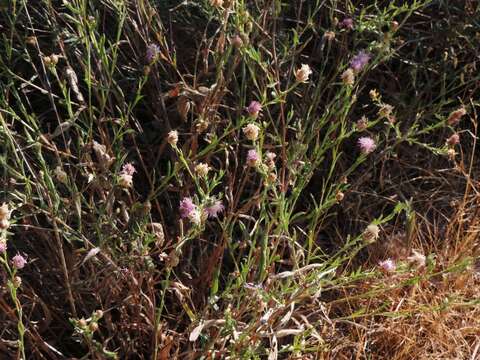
[239,179]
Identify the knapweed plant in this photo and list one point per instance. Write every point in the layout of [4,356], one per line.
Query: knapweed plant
[239,179]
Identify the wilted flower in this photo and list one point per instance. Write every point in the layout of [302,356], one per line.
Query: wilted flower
[252,158]
[18,261]
[125,180]
[202,124]
[371,233]
[374,94]
[254,108]
[347,23]
[4,216]
[362,124]
[366,144]
[60,175]
[453,140]
[202,169]
[385,111]
[104,159]
[31,40]
[216,3]
[3,246]
[348,77]
[183,107]
[451,153]
[303,73]
[172,137]
[360,60]
[339,196]
[214,209]
[271,178]
[251,131]
[152,53]
[17,281]
[329,35]
[186,207]
[417,259]
[455,116]
[4,212]
[387,265]
[237,41]
[270,159]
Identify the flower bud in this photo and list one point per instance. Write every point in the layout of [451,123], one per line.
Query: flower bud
[93,326]
[252,158]
[82,323]
[254,108]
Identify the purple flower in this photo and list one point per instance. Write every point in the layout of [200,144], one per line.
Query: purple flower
[347,23]
[214,209]
[360,60]
[3,246]
[387,265]
[187,207]
[366,144]
[18,261]
[152,52]
[252,157]
[128,169]
[254,108]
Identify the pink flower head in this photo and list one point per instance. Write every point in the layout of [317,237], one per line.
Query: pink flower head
[18,261]
[152,52]
[387,265]
[360,60]
[254,108]
[453,140]
[3,246]
[366,144]
[128,169]
[214,209]
[347,23]
[187,207]
[252,157]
